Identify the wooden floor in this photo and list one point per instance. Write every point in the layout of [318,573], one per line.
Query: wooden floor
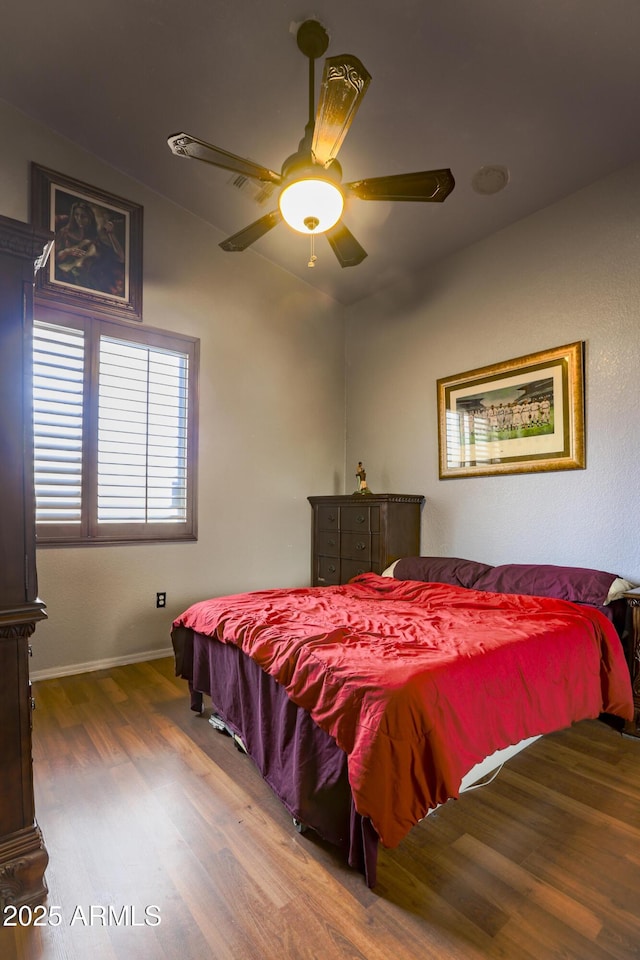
[148,813]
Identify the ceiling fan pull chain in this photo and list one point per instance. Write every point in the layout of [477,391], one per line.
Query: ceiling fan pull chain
[312,258]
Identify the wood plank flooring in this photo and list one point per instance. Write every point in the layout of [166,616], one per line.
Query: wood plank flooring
[150,814]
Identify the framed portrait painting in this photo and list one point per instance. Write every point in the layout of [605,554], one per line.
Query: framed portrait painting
[96,262]
[520,416]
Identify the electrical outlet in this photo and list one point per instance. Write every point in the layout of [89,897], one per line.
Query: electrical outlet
[161,599]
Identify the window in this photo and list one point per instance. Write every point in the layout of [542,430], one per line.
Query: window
[114,414]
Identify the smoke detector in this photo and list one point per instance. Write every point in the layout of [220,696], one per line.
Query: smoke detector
[490,179]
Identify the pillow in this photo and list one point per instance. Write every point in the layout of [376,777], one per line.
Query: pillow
[453,570]
[578,584]
[618,589]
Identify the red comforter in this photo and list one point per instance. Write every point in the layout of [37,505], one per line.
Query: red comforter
[417,682]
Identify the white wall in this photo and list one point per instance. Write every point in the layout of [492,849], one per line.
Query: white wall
[571,272]
[271,423]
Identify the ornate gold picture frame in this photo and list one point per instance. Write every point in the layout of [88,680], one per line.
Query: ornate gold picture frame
[520,416]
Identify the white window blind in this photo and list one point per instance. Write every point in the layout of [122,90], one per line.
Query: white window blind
[58,388]
[142,433]
[115,426]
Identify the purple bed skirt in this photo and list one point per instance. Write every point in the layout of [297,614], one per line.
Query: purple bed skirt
[302,764]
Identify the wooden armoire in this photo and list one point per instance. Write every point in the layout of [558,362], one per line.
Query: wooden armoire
[23,856]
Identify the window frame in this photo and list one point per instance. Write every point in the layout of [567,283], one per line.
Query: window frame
[90,530]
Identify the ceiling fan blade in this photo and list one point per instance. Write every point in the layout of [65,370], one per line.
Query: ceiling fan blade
[244,238]
[345,246]
[435,185]
[184,145]
[344,84]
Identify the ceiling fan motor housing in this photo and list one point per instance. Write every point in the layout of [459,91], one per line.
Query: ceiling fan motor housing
[312,39]
[301,165]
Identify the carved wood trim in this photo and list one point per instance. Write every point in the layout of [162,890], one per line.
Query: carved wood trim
[21,621]
[23,240]
[23,861]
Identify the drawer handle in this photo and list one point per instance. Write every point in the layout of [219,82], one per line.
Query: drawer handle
[332,568]
[360,518]
[361,546]
[331,517]
[331,543]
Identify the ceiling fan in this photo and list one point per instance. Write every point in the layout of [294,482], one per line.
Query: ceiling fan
[312,195]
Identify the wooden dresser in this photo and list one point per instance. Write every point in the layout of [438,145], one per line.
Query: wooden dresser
[23,857]
[360,533]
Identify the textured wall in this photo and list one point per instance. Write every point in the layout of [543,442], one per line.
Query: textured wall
[568,273]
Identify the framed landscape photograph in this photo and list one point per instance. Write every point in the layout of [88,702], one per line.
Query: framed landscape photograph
[520,416]
[96,262]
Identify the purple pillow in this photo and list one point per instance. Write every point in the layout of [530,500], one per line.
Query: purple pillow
[459,573]
[578,584]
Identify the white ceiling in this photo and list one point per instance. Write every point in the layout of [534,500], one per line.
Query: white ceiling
[549,89]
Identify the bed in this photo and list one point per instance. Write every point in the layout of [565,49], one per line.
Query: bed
[367,705]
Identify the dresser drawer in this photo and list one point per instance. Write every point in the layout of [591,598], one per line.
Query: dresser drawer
[328,543]
[327,571]
[327,517]
[355,546]
[357,517]
[351,568]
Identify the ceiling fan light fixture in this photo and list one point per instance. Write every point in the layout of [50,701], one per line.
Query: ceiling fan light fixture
[311,198]
[311,204]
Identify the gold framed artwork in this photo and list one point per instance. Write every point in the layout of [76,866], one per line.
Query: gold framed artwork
[96,262]
[519,416]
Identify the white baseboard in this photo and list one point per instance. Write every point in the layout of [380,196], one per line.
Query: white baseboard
[69,670]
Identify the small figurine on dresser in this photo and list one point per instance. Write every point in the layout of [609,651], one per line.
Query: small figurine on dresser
[361,474]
